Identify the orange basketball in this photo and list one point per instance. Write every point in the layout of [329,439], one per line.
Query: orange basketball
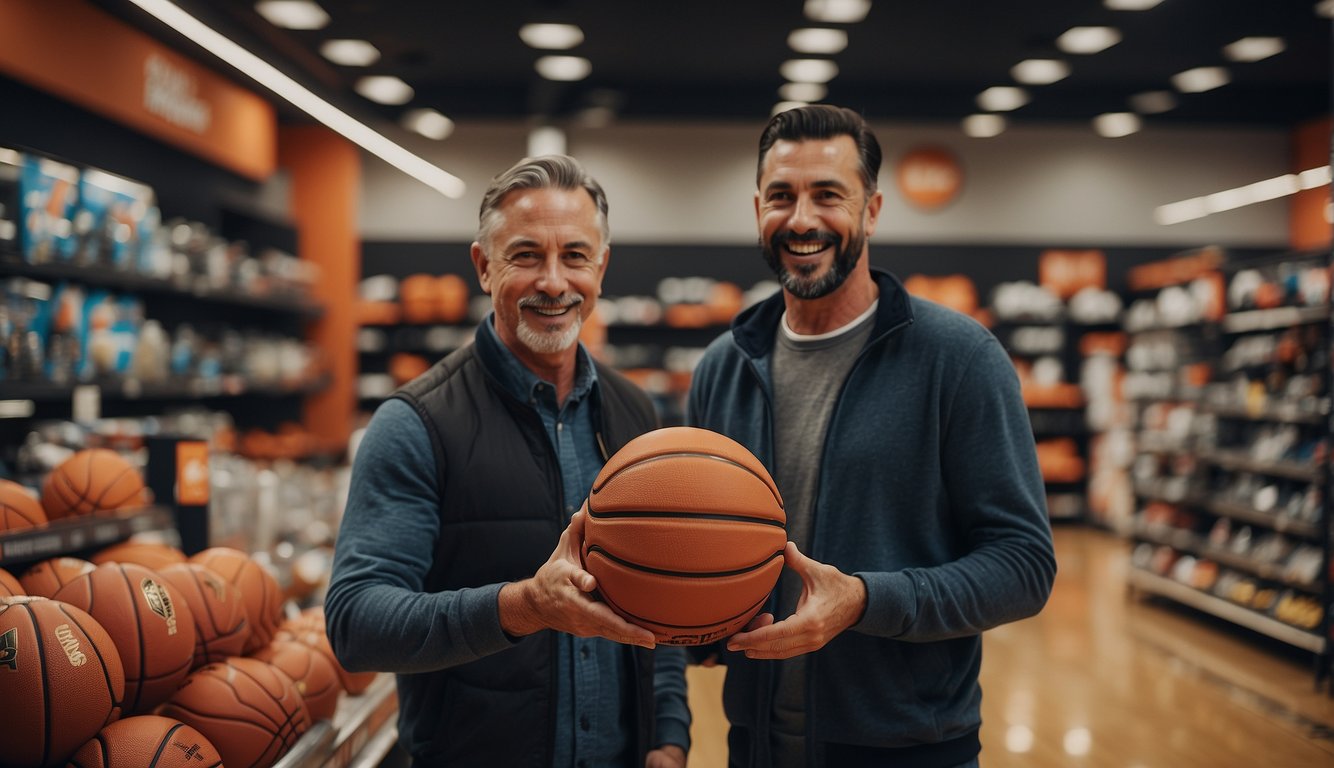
[685,534]
[249,709]
[10,586]
[18,508]
[353,682]
[261,595]
[311,618]
[151,626]
[92,480]
[60,680]
[47,577]
[312,672]
[218,608]
[150,554]
[147,741]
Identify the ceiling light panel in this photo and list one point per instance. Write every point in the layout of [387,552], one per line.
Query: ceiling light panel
[817,40]
[1201,79]
[807,92]
[563,68]
[1325,8]
[808,70]
[1130,5]
[983,126]
[350,53]
[1040,71]
[293,14]
[1249,49]
[1114,125]
[1088,40]
[385,89]
[428,123]
[551,37]
[837,11]
[1002,99]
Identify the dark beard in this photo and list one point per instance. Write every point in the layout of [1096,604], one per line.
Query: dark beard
[800,283]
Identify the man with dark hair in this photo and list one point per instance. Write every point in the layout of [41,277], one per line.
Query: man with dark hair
[897,435]
[457,563]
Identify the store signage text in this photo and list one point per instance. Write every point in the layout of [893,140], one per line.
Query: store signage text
[171,93]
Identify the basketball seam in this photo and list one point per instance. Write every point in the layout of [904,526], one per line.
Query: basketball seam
[683,574]
[139,633]
[71,507]
[106,676]
[107,488]
[263,688]
[731,618]
[163,744]
[649,513]
[768,483]
[46,683]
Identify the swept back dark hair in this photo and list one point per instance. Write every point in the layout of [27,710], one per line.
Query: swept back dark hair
[823,121]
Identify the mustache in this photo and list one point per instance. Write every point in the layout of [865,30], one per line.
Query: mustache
[541,301]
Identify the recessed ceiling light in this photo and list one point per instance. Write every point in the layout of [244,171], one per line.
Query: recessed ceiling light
[807,92]
[1325,8]
[1114,125]
[1201,79]
[428,123]
[350,53]
[551,37]
[817,40]
[1254,48]
[563,68]
[1130,5]
[1040,71]
[1002,99]
[293,14]
[808,70]
[837,11]
[1088,39]
[983,126]
[784,106]
[1153,102]
[385,89]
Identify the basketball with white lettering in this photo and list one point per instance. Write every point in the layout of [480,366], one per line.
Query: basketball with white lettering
[61,681]
[148,621]
[147,741]
[685,534]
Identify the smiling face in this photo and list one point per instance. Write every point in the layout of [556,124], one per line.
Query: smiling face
[814,214]
[542,265]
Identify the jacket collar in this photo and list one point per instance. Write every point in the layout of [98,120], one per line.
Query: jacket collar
[754,328]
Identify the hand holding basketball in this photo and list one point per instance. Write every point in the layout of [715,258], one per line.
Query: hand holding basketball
[830,602]
[559,596]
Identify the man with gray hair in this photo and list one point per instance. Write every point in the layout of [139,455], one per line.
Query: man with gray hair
[457,563]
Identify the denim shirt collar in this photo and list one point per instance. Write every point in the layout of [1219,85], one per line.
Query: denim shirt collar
[517,379]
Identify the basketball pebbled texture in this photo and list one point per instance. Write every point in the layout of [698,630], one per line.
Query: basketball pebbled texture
[249,709]
[61,681]
[48,576]
[151,626]
[262,596]
[312,672]
[10,586]
[147,741]
[685,534]
[221,629]
[150,554]
[18,508]
[92,480]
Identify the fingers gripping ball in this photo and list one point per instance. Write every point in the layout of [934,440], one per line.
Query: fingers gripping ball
[221,629]
[18,508]
[685,534]
[147,741]
[262,596]
[92,480]
[150,624]
[250,710]
[61,681]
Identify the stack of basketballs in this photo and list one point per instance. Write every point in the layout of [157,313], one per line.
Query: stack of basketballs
[140,656]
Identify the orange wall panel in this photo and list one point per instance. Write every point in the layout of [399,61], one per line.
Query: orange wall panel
[1309,224]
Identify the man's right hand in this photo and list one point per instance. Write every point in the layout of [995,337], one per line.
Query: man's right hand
[559,596]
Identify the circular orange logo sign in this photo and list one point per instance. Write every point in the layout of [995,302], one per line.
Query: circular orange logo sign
[929,177]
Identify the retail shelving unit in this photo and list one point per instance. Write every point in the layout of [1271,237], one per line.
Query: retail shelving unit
[1232,472]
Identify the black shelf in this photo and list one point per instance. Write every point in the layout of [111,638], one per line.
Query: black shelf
[1239,462]
[1271,413]
[1275,319]
[1193,544]
[191,389]
[76,534]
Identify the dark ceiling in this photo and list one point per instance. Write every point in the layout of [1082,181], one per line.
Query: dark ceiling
[719,59]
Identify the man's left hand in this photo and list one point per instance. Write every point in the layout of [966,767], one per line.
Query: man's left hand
[831,601]
[666,756]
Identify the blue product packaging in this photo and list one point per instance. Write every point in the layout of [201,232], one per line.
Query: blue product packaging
[48,201]
[114,224]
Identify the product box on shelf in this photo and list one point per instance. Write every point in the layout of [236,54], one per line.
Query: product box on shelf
[116,221]
[11,168]
[49,200]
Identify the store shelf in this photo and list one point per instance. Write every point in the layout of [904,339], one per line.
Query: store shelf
[1193,544]
[1281,414]
[1239,462]
[68,535]
[283,303]
[1216,606]
[1274,319]
[181,389]
[1248,514]
[362,732]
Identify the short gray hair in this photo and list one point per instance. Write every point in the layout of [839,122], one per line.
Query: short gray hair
[546,172]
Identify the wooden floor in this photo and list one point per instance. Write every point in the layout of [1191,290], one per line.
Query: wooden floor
[1106,679]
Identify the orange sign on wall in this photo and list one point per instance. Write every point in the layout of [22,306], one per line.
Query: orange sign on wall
[75,51]
[929,177]
[192,473]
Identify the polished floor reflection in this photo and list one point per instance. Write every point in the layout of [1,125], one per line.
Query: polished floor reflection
[1108,679]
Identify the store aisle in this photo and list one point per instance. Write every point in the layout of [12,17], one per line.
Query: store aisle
[1107,680]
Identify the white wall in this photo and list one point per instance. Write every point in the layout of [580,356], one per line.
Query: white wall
[693,183]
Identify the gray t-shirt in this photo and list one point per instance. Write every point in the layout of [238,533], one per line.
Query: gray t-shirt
[808,374]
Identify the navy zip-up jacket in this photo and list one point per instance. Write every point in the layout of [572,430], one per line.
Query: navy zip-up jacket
[929,491]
